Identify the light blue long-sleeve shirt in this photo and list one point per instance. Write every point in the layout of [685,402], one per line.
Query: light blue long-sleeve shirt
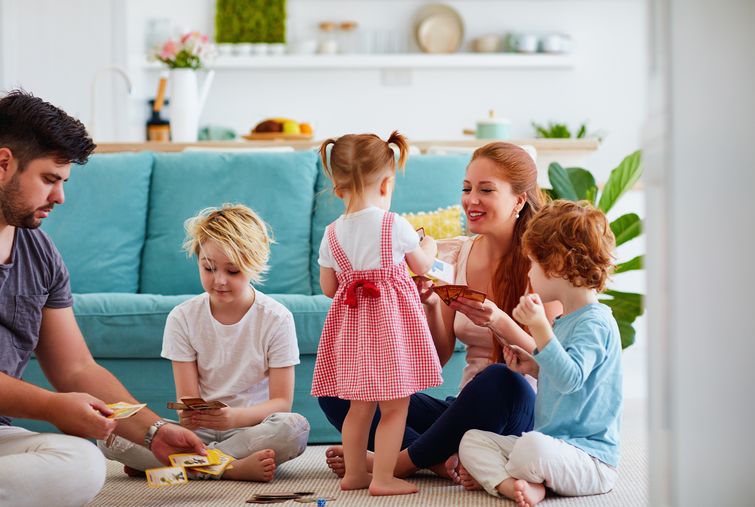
[579,393]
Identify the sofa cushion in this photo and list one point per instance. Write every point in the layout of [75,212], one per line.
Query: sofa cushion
[131,325]
[100,228]
[278,186]
[428,182]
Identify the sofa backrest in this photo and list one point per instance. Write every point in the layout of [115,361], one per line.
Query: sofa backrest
[428,182]
[278,186]
[100,228]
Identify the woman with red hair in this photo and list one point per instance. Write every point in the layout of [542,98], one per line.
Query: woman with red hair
[499,196]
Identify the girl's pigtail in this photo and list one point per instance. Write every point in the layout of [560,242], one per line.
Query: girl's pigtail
[403,147]
[324,156]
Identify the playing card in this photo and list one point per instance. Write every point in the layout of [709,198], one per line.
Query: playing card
[449,293]
[122,410]
[165,476]
[224,462]
[196,404]
[442,271]
[421,233]
[193,460]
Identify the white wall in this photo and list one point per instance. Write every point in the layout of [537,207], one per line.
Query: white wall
[71,40]
[701,273]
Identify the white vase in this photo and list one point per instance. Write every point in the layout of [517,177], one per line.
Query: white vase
[186,104]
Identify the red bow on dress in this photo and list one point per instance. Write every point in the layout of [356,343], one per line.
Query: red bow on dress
[369,289]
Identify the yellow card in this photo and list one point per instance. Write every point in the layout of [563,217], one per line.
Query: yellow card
[194,460]
[122,410]
[166,476]
[224,463]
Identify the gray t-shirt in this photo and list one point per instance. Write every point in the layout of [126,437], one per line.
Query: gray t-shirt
[35,278]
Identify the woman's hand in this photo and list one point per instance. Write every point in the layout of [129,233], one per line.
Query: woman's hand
[484,314]
[425,288]
[519,360]
[216,419]
[530,311]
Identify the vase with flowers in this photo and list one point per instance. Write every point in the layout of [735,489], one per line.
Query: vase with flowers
[184,57]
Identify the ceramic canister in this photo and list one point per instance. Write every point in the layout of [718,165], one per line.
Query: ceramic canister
[493,128]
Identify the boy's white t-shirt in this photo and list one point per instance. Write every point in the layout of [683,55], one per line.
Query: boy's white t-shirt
[359,236]
[232,360]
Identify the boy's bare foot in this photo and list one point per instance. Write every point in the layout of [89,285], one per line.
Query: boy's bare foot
[527,494]
[469,482]
[349,482]
[334,459]
[259,467]
[133,472]
[393,486]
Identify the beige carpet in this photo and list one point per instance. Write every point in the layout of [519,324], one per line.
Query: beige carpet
[309,473]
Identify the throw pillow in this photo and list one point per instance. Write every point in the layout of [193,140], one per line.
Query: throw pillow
[442,223]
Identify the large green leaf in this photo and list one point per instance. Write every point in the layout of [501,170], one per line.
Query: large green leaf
[583,183]
[621,179]
[627,332]
[626,227]
[561,183]
[631,265]
[626,306]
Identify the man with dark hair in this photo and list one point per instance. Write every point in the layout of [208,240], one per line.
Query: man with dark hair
[38,143]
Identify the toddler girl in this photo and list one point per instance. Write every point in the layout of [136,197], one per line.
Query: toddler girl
[376,348]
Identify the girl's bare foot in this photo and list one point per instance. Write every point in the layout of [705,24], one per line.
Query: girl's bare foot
[133,472]
[469,482]
[393,486]
[259,467]
[350,481]
[527,494]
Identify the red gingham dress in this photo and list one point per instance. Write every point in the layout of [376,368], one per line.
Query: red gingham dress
[380,349]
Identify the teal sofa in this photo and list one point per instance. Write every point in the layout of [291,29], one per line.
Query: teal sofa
[120,233]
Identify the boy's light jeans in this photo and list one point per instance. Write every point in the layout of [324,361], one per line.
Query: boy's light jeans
[491,458]
[48,469]
[284,432]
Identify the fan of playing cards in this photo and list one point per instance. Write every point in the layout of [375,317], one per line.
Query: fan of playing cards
[122,409]
[215,463]
[449,293]
[195,404]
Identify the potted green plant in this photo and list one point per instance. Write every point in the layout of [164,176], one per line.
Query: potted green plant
[578,184]
[556,130]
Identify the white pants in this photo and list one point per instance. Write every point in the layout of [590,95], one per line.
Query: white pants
[491,458]
[47,469]
[284,432]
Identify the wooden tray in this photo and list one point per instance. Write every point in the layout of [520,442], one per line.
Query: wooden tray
[273,136]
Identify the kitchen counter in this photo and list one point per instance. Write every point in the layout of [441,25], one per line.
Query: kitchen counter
[541,145]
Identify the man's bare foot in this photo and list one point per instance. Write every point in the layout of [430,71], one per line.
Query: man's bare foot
[351,481]
[469,482]
[133,472]
[527,494]
[393,486]
[258,467]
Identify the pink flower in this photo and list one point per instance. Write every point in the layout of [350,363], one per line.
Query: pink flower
[169,50]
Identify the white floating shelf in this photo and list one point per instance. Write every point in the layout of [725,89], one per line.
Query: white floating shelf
[395,61]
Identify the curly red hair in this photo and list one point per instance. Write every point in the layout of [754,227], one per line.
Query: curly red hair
[572,240]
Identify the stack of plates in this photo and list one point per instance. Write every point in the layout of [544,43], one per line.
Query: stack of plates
[439,29]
